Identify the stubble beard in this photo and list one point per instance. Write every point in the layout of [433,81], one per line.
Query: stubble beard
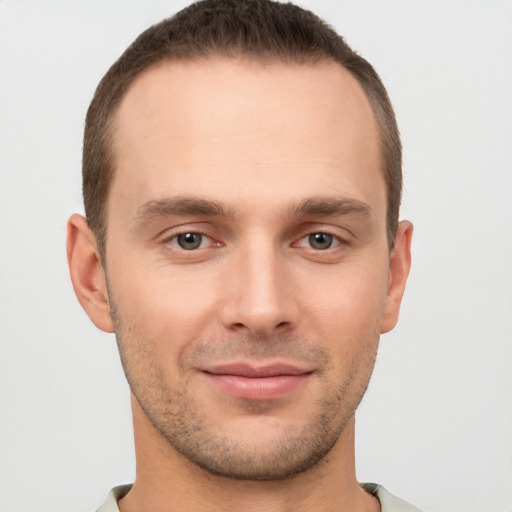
[292,453]
[180,422]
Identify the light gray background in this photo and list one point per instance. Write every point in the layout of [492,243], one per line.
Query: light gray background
[436,425]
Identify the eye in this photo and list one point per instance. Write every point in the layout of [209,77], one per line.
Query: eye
[320,241]
[189,241]
[323,246]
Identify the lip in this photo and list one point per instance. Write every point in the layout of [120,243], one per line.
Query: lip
[257,382]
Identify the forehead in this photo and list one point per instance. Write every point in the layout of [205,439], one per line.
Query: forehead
[259,128]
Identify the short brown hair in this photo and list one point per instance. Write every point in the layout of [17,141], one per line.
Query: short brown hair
[259,29]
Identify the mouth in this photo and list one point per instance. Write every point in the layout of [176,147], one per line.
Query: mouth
[257,382]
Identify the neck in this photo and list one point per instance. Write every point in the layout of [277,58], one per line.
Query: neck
[166,481]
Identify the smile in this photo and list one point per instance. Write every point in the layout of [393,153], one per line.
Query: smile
[257,382]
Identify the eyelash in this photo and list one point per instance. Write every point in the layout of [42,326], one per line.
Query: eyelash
[334,241]
[173,240]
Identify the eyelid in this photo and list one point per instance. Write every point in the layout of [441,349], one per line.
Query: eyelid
[173,236]
[342,233]
[167,232]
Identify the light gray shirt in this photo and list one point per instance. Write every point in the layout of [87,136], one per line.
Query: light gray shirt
[388,502]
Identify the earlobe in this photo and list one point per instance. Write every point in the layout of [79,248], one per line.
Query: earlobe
[399,266]
[87,274]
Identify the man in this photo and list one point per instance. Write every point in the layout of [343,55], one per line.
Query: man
[242,179]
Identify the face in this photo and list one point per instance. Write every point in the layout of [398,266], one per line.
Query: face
[248,269]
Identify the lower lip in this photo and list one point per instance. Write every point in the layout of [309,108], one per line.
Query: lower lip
[258,388]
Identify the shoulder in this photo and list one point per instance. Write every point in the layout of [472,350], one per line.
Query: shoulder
[388,502]
[110,504]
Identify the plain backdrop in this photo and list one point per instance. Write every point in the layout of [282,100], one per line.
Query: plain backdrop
[436,424]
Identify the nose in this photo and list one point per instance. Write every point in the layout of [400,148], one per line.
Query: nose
[258,293]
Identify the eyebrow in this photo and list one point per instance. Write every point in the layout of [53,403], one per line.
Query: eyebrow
[180,206]
[314,206]
[331,206]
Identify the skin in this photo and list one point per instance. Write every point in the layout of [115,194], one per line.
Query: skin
[255,159]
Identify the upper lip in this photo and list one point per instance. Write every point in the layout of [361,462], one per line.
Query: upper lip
[243,369]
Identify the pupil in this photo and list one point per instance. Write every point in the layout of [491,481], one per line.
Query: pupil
[320,240]
[189,240]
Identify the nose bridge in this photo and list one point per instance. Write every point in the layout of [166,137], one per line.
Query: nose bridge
[258,298]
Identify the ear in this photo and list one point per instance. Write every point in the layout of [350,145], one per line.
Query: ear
[87,274]
[399,266]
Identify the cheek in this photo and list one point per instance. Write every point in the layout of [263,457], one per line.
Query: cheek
[345,317]
[168,310]
[348,298]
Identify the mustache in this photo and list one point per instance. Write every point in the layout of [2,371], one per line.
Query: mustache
[275,347]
